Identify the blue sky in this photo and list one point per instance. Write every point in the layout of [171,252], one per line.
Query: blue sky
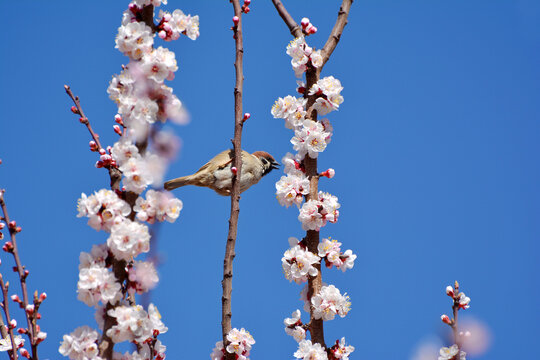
[435,151]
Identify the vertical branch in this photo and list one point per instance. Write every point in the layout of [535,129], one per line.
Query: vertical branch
[312,76]
[5,305]
[13,229]
[226,284]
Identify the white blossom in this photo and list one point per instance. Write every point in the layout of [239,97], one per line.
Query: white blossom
[96,283]
[81,344]
[310,217]
[316,59]
[123,150]
[103,209]
[464,301]
[240,343]
[341,350]
[158,206]
[98,255]
[142,277]
[297,262]
[292,164]
[181,23]
[291,109]
[329,302]
[136,175]
[299,51]
[128,239]
[331,251]
[308,351]
[310,139]
[5,343]
[293,326]
[135,324]
[158,65]
[291,189]
[451,353]
[134,39]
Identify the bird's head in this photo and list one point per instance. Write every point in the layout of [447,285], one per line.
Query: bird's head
[267,160]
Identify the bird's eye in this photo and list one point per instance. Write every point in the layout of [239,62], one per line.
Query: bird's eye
[264,161]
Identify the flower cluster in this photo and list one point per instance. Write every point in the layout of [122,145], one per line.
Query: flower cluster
[314,214]
[310,138]
[291,109]
[291,189]
[297,262]
[329,97]
[172,25]
[158,206]
[329,302]
[103,209]
[140,155]
[135,324]
[81,344]
[308,351]
[330,251]
[303,56]
[240,342]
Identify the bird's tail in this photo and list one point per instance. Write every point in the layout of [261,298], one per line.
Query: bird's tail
[178,182]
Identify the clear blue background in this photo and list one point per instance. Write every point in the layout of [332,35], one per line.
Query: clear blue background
[435,149]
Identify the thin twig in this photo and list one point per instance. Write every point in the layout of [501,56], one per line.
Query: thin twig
[5,305]
[312,76]
[226,283]
[114,173]
[22,277]
[296,30]
[337,30]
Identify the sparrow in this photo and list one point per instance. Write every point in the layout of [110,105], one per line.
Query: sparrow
[217,175]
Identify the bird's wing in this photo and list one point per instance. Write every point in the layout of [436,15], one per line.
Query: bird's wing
[219,161]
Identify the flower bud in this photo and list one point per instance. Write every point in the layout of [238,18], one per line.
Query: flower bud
[2,225]
[22,331]
[24,353]
[246,9]
[12,225]
[117,130]
[304,22]
[30,309]
[74,109]
[247,2]
[247,116]
[234,170]
[43,296]
[235,20]
[15,298]
[13,323]
[445,319]
[93,146]
[102,151]
[450,291]
[8,247]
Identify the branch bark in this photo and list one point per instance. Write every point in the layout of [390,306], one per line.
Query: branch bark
[22,278]
[312,238]
[226,283]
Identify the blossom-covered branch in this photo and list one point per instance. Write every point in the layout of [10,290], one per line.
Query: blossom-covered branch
[302,262]
[33,331]
[460,301]
[110,277]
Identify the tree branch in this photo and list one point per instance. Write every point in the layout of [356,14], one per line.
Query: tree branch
[312,76]
[337,30]
[226,283]
[296,30]
[22,277]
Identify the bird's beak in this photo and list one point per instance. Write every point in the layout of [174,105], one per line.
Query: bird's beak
[275,165]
